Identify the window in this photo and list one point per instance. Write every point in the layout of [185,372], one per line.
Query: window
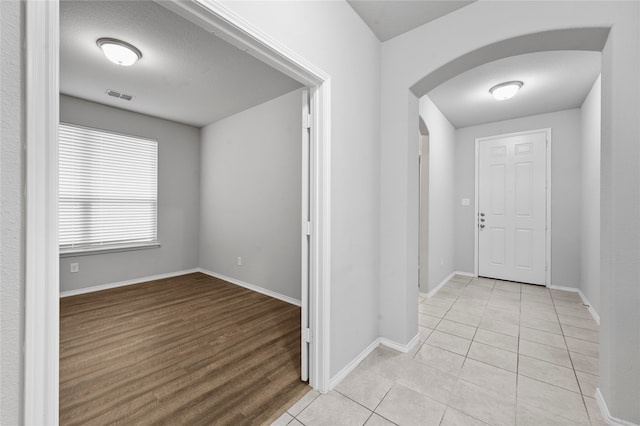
[108,190]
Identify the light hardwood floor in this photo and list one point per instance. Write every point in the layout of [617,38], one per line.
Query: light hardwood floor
[185,350]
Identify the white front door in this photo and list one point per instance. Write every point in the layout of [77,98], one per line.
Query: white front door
[512,211]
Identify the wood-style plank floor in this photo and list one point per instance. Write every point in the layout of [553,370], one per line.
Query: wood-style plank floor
[185,350]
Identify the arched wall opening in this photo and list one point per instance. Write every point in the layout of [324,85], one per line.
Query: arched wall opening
[415,62]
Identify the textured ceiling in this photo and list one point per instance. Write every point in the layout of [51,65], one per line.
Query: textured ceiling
[186,74]
[553,81]
[390,18]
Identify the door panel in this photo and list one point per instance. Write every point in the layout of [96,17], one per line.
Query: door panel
[512,207]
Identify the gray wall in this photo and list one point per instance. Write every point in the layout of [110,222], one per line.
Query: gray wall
[251,195]
[442,166]
[12,224]
[332,36]
[590,201]
[178,198]
[566,189]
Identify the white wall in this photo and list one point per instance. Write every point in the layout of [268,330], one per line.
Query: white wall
[408,58]
[442,166]
[331,36]
[590,200]
[178,198]
[12,223]
[566,189]
[251,195]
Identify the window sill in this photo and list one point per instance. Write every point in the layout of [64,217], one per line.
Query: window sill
[114,249]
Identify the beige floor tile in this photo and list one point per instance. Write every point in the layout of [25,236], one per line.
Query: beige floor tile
[449,342]
[303,402]
[433,310]
[386,362]
[534,416]
[283,420]
[332,409]
[440,359]
[544,299]
[508,286]
[457,329]
[545,353]
[428,381]
[438,302]
[489,377]
[528,307]
[404,406]
[497,340]
[365,388]
[428,321]
[549,373]
[581,312]
[377,420]
[535,289]
[483,282]
[578,322]
[581,333]
[585,363]
[482,404]
[499,326]
[588,383]
[468,306]
[295,422]
[583,347]
[565,295]
[552,398]
[424,332]
[543,337]
[566,303]
[453,417]
[594,412]
[528,315]
[501,315]
[541,324]
[463,317]
[493,356]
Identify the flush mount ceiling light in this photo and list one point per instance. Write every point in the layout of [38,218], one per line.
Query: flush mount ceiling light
[119,52]
[505,90]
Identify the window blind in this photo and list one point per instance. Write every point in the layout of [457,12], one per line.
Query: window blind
[108,190]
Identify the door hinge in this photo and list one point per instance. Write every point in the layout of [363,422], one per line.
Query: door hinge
[307,121]
[307,335]
[308,228]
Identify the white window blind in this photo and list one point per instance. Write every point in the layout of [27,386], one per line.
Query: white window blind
[108,190]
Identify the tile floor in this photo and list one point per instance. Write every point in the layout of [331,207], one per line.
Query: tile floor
[490,352]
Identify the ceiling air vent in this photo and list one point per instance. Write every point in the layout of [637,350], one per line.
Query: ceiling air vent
[119,95]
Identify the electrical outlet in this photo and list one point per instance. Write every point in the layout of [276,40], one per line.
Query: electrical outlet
[74,267]
[239,261]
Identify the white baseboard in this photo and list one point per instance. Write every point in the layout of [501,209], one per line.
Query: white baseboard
[606,415]
[465,274]
[353,364]
[442,283]
[585,302]
[398,346]
[125,283]
[252,287]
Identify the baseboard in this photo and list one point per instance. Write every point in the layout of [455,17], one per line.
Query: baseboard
[125,283]
[252,287]
[442,283]
[353,364]
[398,346]
[465,274]
[606,415]
[585,302]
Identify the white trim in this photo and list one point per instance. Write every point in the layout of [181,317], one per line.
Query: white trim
[108,286]
[442,283]
[398,346]
[465,274]
[252,287]
[584,299]
[604,411]
[335,380]
[547,132]
[41,345]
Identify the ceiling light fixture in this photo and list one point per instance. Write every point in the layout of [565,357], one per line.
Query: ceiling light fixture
[119,52]
[505,90]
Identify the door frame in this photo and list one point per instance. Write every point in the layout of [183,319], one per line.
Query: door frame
[476,241]
[42,286]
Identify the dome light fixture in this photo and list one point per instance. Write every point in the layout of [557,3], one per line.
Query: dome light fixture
[505,90]
[119,52]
